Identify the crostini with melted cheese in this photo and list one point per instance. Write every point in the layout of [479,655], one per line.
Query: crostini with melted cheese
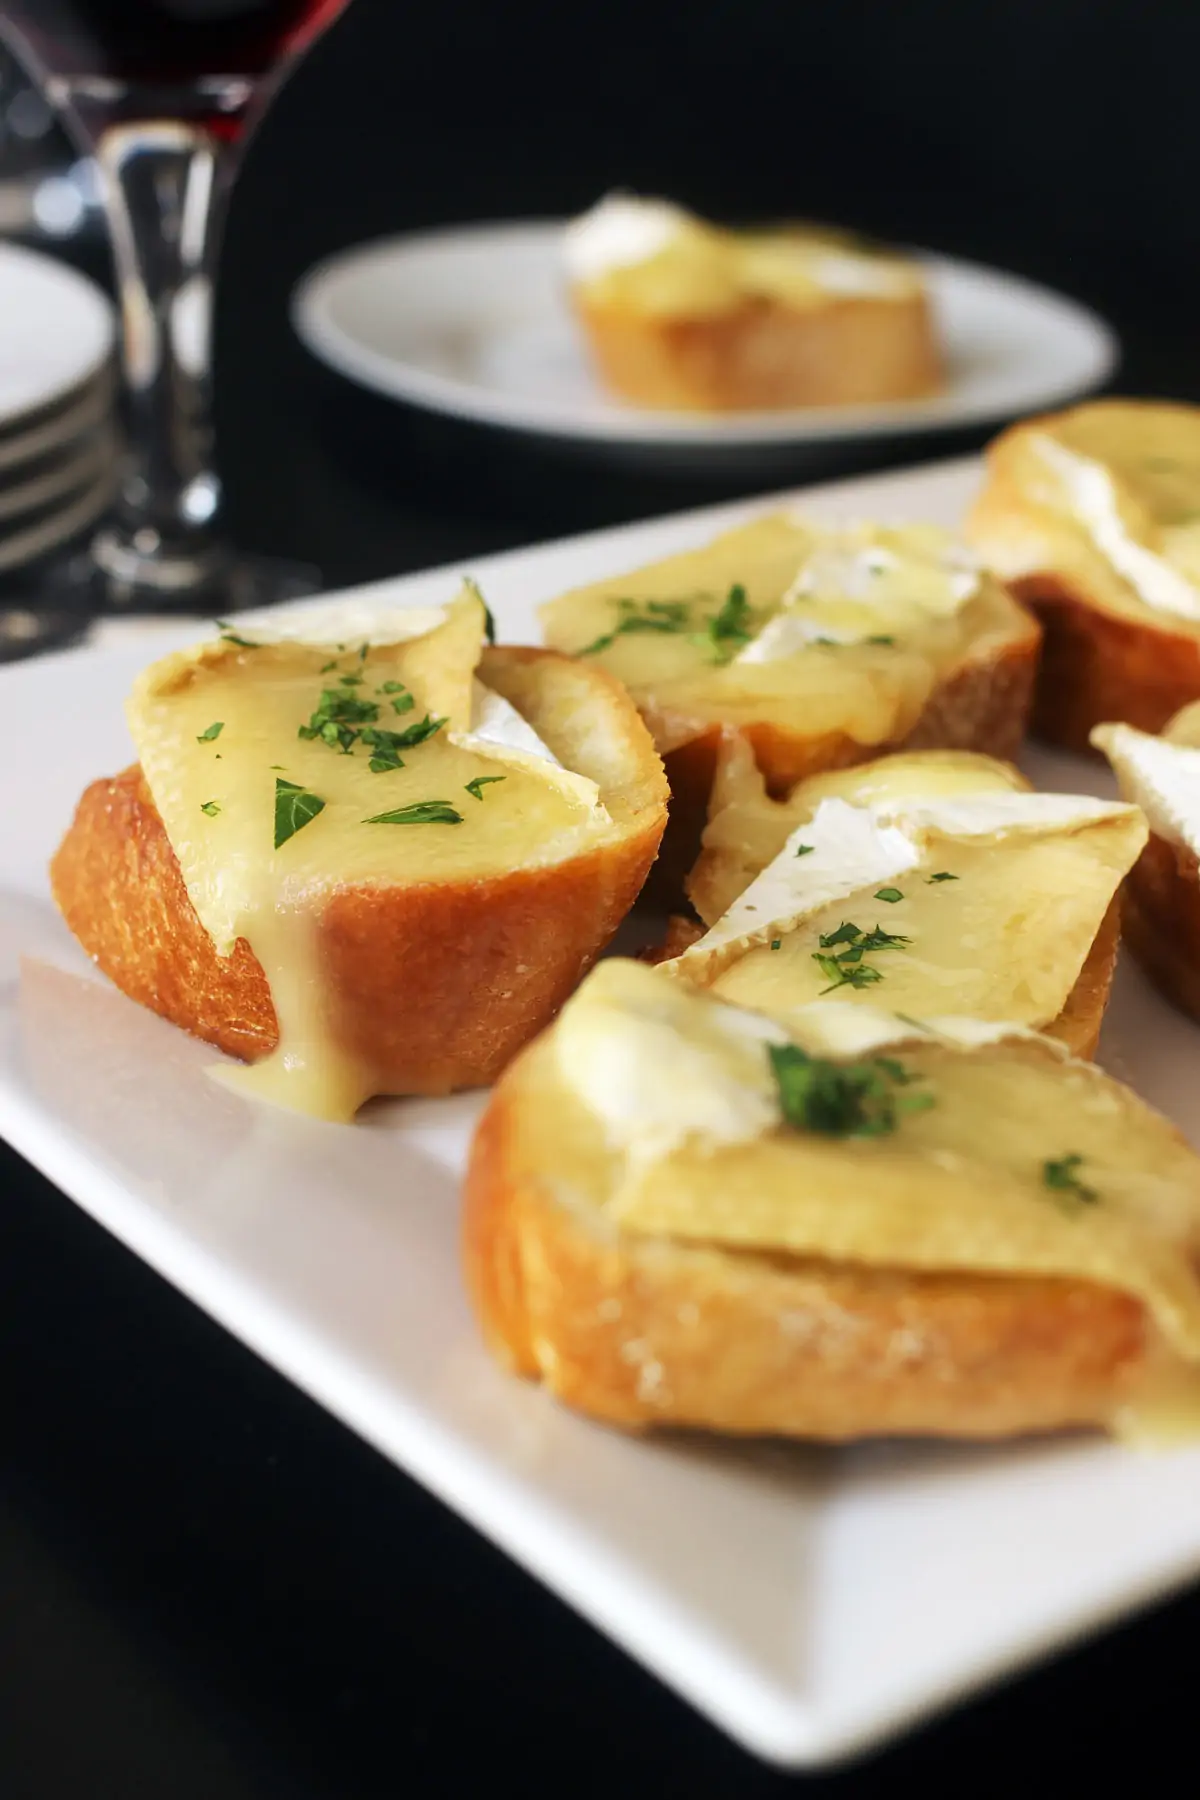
[683,315]
[836,1225]
[1160,903]
[930,882]
[1093,518]
[367,855]
[822,646]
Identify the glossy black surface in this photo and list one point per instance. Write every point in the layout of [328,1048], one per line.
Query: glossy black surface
[208,1589]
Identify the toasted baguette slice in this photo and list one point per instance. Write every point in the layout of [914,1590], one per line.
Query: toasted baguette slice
[435,985]
[1160,902]
[640,1326]
[714,321]
[1119,602]
[959,679]
[1052,946]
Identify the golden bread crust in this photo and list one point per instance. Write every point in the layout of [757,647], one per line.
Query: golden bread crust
[766,355]
[1161,920]
[438,983]
[642,1331]
[1097,663]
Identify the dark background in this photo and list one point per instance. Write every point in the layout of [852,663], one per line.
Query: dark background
[208,1590]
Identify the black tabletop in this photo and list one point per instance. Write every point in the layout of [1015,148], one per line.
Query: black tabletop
[208,1588]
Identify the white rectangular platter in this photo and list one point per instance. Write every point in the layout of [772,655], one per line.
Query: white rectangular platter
[810,1601]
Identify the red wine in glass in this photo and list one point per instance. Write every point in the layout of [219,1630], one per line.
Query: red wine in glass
[159,91]
[122,58]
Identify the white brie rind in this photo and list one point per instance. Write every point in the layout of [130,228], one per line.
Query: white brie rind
[841,850]
[619,232]
[1161,777]
[845,849]
[334,624]
[844,272]
[862,581]
[662,1065]
[500,733]
[1092,498]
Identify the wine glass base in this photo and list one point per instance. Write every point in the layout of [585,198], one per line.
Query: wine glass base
[58,605]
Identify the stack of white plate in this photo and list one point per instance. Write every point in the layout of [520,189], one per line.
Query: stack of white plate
[58,435]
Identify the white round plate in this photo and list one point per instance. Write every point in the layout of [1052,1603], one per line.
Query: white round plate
[57,430]
[56,332]
[29,542]
[474,322]
[82,466]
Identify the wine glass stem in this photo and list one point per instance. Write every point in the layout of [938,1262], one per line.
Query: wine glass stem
[165,185]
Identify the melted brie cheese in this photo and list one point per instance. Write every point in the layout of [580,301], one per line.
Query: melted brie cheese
[216,796]
[864,583]
[960,1185]
[656,258]
[1030,879]
[1092,496]
[863,662]
[1160,776]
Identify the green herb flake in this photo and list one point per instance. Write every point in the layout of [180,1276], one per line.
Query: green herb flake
[421,812]
[211,808]
[231,637]
[402,700]
[655,615]
[805,849]
[295,807]
[775,943]
[881,638]
[475,788]
[856,1099]
[387,745]
[1060,1173]
[942,875]
[325,667]
[214,731]
[890,894]
[351,680]
[849,944]
[729,628]
[489,623]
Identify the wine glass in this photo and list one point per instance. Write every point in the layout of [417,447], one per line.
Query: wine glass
[160,93]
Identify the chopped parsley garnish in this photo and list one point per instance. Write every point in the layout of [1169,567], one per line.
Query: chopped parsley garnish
[1061,1174]
[655,615]
[729,628]
[805,849]
[489,623]
[295,807]
[857,1099]
[387,745]
[475,788]
[881,638]
[943,875]
[421,812]
[343,719]
[211,808]
[840,957]
[402,700]
[230,636]
[775,943]
[363,652]
[214,731]
[325,667]
[890,894]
